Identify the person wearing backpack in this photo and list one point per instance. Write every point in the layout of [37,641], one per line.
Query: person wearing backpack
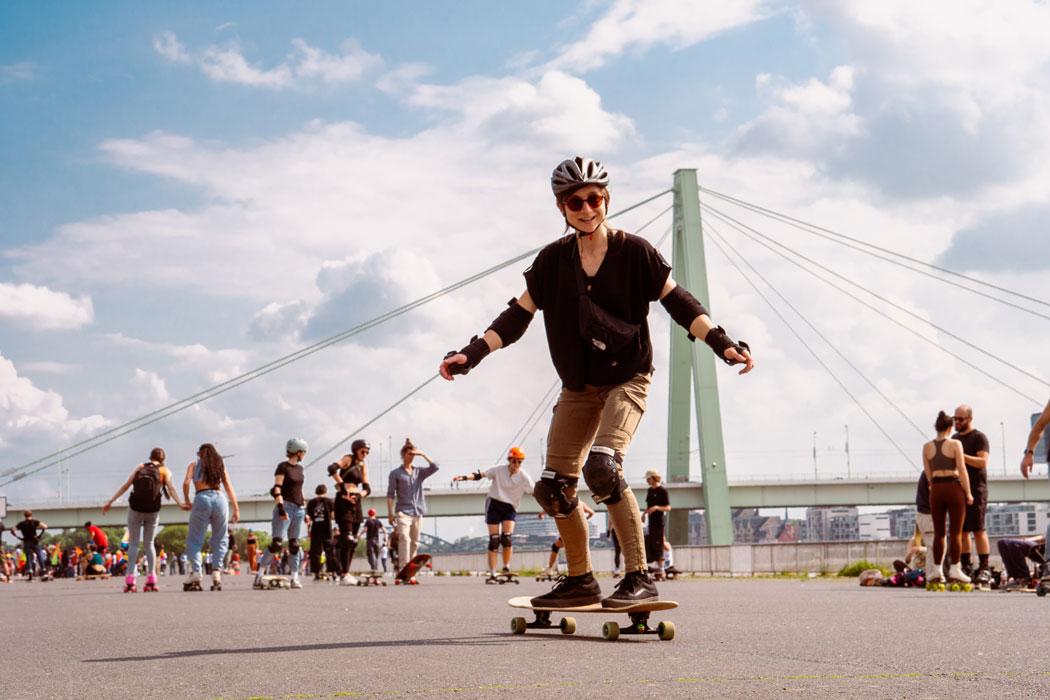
[146,482]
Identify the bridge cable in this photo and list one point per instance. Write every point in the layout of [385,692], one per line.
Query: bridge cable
[740,227]
[805,320]
[715,238]
[204,395]
[833,236]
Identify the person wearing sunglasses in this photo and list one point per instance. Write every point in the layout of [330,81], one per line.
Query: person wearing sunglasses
[351,477]
[594,286]
[975,451]
[509,484]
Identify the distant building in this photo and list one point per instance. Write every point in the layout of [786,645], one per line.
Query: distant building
[832,524]
[873,526]
[902,523]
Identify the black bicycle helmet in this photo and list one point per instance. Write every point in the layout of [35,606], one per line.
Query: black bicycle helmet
[358,444]
[575,173]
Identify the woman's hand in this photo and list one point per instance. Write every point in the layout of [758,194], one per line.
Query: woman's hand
[105,508]
[457,359]
[186,506]
[237,516]
[742,355]
[969,499]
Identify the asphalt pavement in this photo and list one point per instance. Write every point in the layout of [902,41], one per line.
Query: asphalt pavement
[753,638]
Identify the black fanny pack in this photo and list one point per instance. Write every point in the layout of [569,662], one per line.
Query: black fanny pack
[602,331]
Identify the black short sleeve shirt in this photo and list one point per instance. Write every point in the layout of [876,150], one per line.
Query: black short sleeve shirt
[657,497]
[292,486]
[973,442]
[631,276]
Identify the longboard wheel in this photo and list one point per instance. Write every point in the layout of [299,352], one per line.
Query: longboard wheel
[666,630]
[518,625]
[567,625]
[611,631]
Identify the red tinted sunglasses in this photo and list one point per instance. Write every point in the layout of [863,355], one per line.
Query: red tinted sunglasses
[576,204]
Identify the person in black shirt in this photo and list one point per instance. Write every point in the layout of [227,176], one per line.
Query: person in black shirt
[319,519]
[657,502]
[30,531]
[594,287]
[289,512]
[375,536]
[350,473]
[975,454]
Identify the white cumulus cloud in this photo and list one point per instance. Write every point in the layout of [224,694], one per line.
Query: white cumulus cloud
[304,64]
[42,309]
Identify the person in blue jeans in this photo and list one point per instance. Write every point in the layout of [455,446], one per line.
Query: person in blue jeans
[208,474]
[289,511]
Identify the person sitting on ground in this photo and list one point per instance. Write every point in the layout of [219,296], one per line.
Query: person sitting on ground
[95,564]
[1016,553]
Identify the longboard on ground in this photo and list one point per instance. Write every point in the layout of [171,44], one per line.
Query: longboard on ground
[507,577]
[638,614]
[270,582]
[372,578]
[407,575]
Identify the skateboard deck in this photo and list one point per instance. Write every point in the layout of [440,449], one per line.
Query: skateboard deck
[503,578]
[408,573]
[372,578]
[90,577]
[271,582]
[638,613]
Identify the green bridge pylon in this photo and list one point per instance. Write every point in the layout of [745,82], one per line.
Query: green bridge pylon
[695,362]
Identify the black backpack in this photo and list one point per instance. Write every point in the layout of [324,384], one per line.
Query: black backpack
[145,489]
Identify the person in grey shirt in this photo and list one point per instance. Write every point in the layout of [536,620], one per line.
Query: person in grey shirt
[404,496]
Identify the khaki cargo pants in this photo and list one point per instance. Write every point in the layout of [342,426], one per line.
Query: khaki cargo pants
[607,416]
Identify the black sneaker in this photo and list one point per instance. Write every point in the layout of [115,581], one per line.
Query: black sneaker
[506,570]
[570,592]
[636,587]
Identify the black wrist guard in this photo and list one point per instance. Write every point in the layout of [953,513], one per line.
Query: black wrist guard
[475,351]
[720,342]
[333,468]
[512,323]
[366,489]
[683,307]
[275,491]
[280,510]
[478,476]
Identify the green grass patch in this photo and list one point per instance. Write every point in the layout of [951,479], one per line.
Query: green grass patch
[856,568]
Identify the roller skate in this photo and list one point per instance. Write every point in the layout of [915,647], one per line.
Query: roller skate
[151,584]
[348,580]
[216,580]
[295,583]
[129,584]
[935,578]
[192,582]
[958,580]
[982,579]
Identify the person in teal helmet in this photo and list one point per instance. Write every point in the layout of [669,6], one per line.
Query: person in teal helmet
[289,511]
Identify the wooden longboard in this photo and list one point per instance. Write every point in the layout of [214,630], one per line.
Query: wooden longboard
[411,568]
[639,614]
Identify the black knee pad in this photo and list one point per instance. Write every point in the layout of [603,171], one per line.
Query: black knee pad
[275,545]
[504,540]
[601,471]
[549,492]
[555,547]
[493,543]
[293,545]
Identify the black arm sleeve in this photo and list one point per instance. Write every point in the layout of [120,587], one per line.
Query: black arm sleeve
[683,307]
[512,323]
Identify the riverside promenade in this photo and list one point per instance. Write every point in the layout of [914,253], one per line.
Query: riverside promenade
[450,636]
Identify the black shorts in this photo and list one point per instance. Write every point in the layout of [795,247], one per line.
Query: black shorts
[497,512]
[975,511]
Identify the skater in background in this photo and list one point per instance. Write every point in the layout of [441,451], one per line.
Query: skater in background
[98,537]
[1016,552]
[289,512]
[1027,465]
[942,459]
[210,509]
[509,484]
[595,287]
[375,540]
[610,533]
[350,473]
[975,455]
[404,496]
[657,502]
[147,481]
[319,512]
[251,550]
[30,530]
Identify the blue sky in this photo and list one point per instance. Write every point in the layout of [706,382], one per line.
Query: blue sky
[189,192]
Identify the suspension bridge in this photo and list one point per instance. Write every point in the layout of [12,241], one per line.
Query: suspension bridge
[699,215]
